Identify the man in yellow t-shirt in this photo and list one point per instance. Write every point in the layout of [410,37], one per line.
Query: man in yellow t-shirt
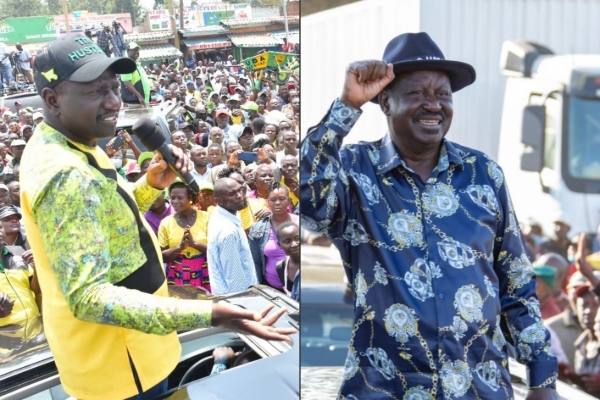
[99,267]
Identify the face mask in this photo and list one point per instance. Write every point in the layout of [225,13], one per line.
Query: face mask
[537,240]
[117,162]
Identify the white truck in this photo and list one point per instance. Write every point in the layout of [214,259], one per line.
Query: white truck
[550,135]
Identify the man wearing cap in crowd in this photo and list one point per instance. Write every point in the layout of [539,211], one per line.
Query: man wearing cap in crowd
[16,148]
[544,283]
[559,242]
[191,92]
[26,132]
[206,200]
[566,325]
[246,138]
[102,271]
[20,297]
[236,114]
[231,132]
[252,109]
[135,88]
[133,172]
[188,131]
[38,117]
[429,237]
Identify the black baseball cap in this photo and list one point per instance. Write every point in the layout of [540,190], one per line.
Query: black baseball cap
[74,58]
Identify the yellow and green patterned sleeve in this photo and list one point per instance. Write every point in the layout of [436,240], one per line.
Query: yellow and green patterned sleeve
[72,213]
[144,194]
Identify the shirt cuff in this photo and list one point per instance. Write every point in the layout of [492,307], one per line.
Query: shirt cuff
[542,374]
[342,116]
[218,368]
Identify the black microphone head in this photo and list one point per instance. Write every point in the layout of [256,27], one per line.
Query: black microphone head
[149,133]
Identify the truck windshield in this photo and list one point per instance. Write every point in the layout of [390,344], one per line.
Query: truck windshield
[584,138]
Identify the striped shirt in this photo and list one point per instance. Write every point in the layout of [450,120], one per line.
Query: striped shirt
[230,264]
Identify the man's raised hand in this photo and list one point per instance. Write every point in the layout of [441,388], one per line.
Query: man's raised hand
[364,81]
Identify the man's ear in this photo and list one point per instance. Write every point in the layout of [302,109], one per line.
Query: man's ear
[384,101]
[50,99]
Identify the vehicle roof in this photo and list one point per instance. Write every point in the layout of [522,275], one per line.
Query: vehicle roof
[256,298]
[27,99]
[561,68]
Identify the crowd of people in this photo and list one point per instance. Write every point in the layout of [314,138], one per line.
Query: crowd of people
[241,229]
[568,289]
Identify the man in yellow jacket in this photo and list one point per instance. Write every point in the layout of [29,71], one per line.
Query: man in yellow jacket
[109,321]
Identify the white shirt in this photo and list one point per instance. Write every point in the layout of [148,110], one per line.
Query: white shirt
[3,52]
[25,55]
[230,264]
[200,177]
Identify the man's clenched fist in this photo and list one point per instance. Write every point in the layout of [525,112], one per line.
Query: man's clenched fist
[365,80]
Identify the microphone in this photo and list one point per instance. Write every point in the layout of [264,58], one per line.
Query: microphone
[151,136]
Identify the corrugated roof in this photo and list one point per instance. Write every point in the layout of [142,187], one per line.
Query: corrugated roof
[258,21]
[154,51]
[204,30]
[293,37]
[148,36]
[207,43]
[255,40]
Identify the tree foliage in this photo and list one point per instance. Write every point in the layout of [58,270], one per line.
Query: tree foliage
[21,8]
[30,8]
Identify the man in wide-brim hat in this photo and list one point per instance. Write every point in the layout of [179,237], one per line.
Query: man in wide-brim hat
[441,279]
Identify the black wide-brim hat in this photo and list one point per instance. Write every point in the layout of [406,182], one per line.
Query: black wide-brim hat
[418,52]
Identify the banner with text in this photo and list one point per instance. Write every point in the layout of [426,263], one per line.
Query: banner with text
[79,21]
[201,15]
[27,30]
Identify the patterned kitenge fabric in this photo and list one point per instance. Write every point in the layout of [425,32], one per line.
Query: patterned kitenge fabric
[440,276]
[80,214]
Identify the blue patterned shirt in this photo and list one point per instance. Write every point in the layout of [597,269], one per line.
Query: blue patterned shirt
[230,264]
[440,276]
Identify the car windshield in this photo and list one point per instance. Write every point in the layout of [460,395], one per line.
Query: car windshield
[584,138]
[326,330]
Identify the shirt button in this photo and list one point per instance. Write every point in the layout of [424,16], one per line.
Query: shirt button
[441,295]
